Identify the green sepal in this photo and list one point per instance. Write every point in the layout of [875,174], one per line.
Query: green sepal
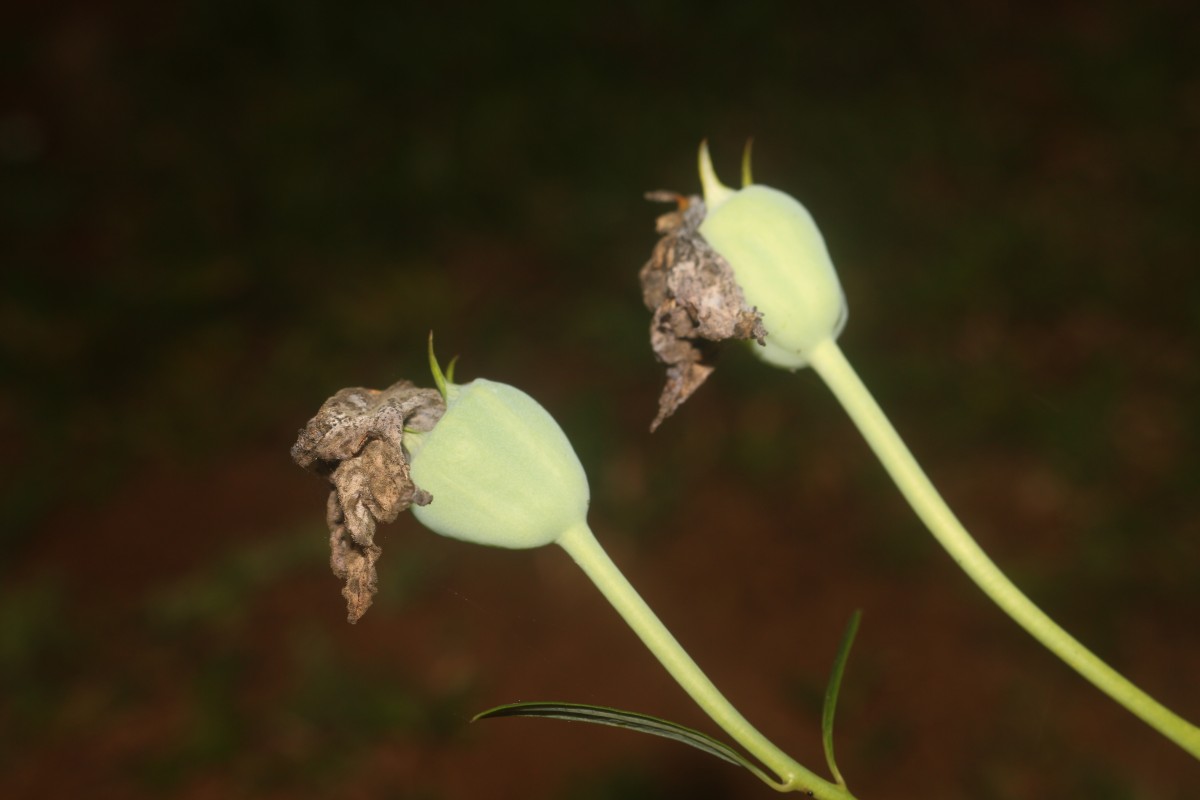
[439,379]
[747,179]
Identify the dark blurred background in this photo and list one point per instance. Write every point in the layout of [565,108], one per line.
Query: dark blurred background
[216,214]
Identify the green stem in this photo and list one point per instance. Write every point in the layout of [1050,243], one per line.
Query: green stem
[590,556]
[830,363]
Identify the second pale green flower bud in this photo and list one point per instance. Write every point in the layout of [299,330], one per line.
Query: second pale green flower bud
[779,260]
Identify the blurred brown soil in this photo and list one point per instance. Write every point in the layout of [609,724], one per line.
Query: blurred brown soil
[944,696]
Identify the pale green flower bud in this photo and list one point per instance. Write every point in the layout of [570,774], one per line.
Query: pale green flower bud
[780,262]
[500,470]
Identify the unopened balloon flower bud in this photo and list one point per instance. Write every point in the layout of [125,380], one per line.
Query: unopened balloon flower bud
[500,470]
[779,260]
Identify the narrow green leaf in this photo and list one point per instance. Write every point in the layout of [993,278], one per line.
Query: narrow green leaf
[831,694]
[630,720]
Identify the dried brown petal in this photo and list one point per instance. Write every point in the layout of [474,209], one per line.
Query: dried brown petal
[696,302]
[356,442]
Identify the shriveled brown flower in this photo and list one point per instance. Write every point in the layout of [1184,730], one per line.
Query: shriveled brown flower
[696,301]
[356,442]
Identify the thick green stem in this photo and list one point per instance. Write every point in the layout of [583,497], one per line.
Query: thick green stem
[829,362]
[587,552]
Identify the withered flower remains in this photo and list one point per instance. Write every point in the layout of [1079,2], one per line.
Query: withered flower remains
[696,302]
[356,440]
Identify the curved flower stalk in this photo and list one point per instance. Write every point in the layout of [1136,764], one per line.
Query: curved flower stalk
[780,262]
[494,468]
